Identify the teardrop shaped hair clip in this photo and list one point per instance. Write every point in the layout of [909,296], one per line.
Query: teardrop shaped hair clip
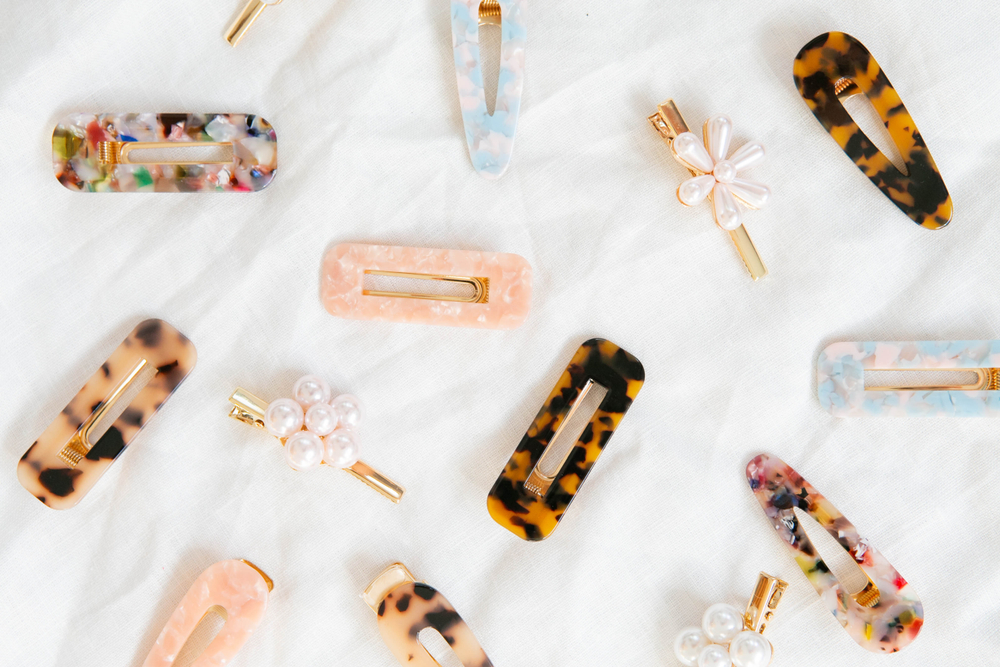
[835,66]
[490,136]
[885,615]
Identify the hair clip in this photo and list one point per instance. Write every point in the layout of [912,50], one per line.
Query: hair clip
[540,480]
[461,288]
[204,152]
[235,589]
[102,419]
[250,12]
[728,638]
[884,615]
[844,390]
[315,430]
[835,66]
[714,176]
[490,136]
[406,608]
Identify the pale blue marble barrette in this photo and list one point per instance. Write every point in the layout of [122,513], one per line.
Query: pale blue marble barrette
[490,136]
[844,392]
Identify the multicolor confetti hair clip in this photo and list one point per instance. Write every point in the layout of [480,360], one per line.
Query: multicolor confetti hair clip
[106,415]
[715,175]
[948,378]
[235,589]
[561,446]
[880,611]
[251,11]
[835,66]
[728,638]
[490,136]
[315,429]
[418,624]
[174,152]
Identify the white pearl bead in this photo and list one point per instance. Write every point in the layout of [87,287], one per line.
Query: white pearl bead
[724,171]
[727,213]
[310,390]
[719,133]
[748,155]
[283,417]
[750,649]
[752,193]
[689,150]
[350,410]
[722,622]
[714,655]
[304,451]
[688,646]
[342,448]
[321,419]
[693,191]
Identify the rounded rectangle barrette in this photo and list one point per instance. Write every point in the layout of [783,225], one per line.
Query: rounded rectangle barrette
[835,66]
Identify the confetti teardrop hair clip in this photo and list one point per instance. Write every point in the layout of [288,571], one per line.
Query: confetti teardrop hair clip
[315,429]
[835,66]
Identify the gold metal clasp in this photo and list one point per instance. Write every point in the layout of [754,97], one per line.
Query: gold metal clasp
[110,153]
[868,596]
[386,582]
[987,379]
[766,596]
[490,12]
[480,286]
[246,17]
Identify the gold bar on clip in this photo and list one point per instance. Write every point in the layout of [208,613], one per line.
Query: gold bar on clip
[490,12]
[267,579]
[538,482]
[110,153]
[387,581]
[243,22]
[766,596]
[868,596]
[377,481]
[247,408]
[988,379]
[480,285]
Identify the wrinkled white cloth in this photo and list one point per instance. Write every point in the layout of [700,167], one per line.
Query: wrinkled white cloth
[371,149]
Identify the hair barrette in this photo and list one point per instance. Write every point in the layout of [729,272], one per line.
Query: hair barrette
[835,66]
[490,136]
[315,428]
[461,288]
[410,613]
[237,590]
[173,152]
[544,474]
[728,638]
[251,11]
[883,614]
[714,176]
[846,388]
[68,458]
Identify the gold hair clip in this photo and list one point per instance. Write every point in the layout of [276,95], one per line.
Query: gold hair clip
[250,12]
[480,287]
[117,152]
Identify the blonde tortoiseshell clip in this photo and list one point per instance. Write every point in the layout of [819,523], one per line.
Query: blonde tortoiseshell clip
[835,66]
[405,607]
[103,418]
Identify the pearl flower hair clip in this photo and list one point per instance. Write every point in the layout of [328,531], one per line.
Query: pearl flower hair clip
[315,429]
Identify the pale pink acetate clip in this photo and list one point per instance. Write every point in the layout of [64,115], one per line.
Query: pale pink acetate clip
[461,288]
[237,590]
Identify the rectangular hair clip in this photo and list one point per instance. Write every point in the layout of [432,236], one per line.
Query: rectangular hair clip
[192,152]
[461,288]
[971,387]
[105,416]
[540,480]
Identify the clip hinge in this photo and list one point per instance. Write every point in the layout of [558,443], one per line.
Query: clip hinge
[387,581]
[490,12]
[766,596]
[868,596]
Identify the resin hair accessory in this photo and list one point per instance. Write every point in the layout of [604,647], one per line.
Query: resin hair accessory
[105,416]
[251,11]
[460,288]
[844,392]
[490,136]
[235,589]
[540,480]
[407,608]
[714,176]
[729,638]
[835,66]
[193,152]
[884,615]
[315,428]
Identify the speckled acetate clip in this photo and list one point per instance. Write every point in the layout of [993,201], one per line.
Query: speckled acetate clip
[533,492]
[104,152]
[490,136]
[842,390]
[71,454]
[405,607]
[484,290]
[835,66]
[885,615]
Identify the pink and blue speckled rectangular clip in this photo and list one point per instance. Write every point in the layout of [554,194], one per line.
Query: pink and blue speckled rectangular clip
[843,391]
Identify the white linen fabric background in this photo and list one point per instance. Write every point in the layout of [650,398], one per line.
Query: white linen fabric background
[371,149]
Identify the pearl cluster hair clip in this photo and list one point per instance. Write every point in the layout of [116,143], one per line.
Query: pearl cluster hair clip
[314,429]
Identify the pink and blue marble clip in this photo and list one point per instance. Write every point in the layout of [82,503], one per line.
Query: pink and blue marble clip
[490,136]
[840,376]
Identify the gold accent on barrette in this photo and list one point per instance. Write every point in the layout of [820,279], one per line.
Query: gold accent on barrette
[489,12]
[481,287]
[766,596]
[250,12]
[117,152]
[868,596]
[987,379]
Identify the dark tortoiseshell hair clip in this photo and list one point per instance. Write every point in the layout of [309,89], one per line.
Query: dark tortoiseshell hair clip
[409,612]
[102,419]
[835,66]
[541,479]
